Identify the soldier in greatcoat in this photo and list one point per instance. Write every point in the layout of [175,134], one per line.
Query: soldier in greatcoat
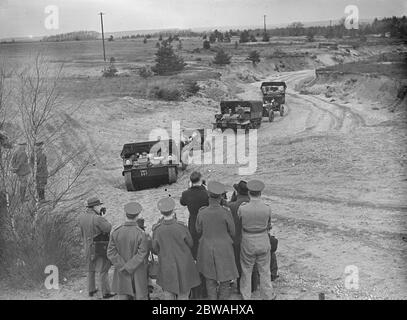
[42,170]
[177,272]
[128,251]
[21,167]
[216,259]
[241,195]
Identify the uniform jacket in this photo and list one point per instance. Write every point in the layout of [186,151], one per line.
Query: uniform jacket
[256,218]
[216,259]
[89,221]
[194,198]
[42,167]
[19,163]
[177,270]
[234,206]
[128,251]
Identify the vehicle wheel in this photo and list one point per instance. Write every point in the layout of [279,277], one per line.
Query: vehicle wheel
[172,175]
[271,116]
[281,111]
[129,181]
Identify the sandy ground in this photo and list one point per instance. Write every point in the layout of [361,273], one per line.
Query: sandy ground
[335,175]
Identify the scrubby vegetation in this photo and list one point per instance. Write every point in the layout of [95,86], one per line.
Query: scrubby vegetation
[34,234]
[254,57]
[167,61]
[222,58]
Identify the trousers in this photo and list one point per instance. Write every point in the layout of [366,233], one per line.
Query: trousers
[172,296]
[262,261]
[102,266]
[218,292]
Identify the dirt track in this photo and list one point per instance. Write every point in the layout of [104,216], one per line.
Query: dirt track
[335,181]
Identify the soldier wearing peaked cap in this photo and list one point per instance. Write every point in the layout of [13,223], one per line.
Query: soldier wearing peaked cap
[255,246]
[93,225]
[42,170]
[172,242]
[128,251]
[241,195]
[216,259]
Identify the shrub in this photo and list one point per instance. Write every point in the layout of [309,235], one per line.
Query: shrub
[167,61]
[145,72]
[266,37]
[222,58]
[253,38]
[53,240]
[244,36]
[254,57]
[206,45]
[191,87]
[110,71]
[167,94]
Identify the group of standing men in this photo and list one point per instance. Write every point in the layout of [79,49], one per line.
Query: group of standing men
[224,243]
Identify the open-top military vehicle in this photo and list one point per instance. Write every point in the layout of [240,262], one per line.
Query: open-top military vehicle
[150,164]
[239,115]
[273,98]
[154,163]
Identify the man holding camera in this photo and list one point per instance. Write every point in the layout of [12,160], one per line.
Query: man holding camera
[94,225]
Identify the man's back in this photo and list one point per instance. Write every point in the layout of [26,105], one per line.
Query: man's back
[194,198]
[256,221]
[255,215]
[127,239]
[20,163]
[93,224]
[216,223]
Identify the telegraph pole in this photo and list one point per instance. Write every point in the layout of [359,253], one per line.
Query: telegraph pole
[103,36]
[265,30]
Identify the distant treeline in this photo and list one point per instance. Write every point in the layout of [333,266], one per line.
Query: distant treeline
[74,36]
[395,27]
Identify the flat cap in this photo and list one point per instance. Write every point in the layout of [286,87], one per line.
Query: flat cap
[255,185]
[166,204]
[216,187]
[133,208]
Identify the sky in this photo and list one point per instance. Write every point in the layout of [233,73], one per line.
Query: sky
[27,17]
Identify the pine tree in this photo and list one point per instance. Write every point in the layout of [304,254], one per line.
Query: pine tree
[244,36]
[222,58]
[167,61]
[254,57]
